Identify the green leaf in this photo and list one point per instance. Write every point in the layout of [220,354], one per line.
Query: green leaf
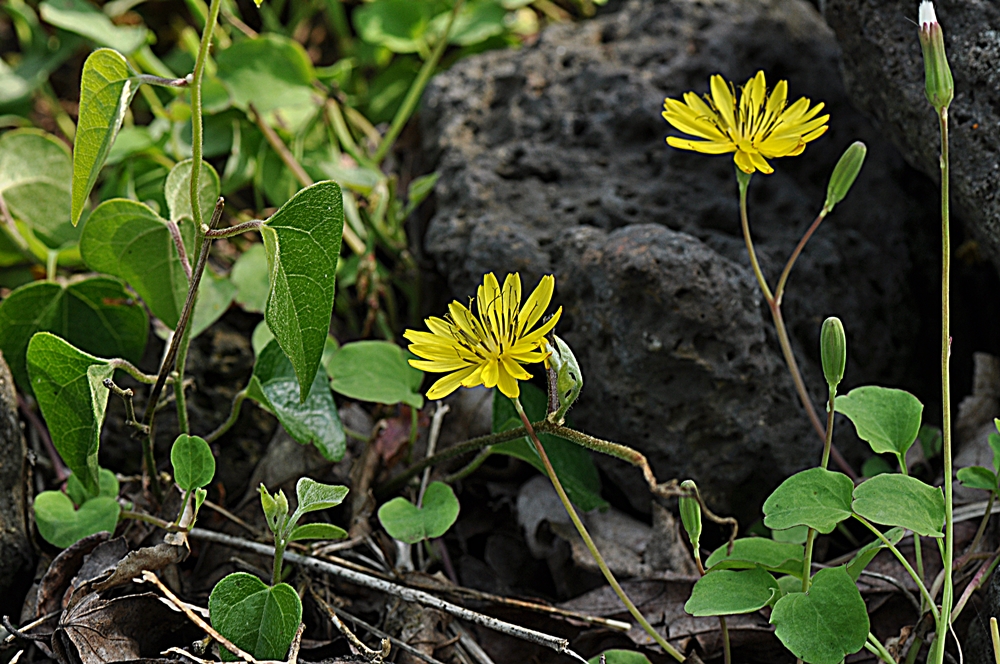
[35,174]
[132,242]
[620,657]
[817,498]
[994,440]
[795,535]
[375,371]
[108,487]
[977,477]
[477,21]
[250,277]
[177,191]
[313,422]
[868,552]
[317,531]
[900,500]
[259,619]
[875,465]
[313,496]
[887,419]
[106,90]
[215,294]
[826,624]
[193,462]
[61,525]
[96,315]
[302,240]
[726,592]
[399,25]
[930,440]
[68,385]
[573,464]
[781,557]
[82,18]
[408,523]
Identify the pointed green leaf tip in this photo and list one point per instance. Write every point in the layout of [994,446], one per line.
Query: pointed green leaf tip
[844,174]
[833,351]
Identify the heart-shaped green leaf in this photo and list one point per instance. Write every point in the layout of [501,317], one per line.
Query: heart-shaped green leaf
[177,191]
[826,624]
[375,371]
[868,552]
[399,25]
[96,315]
[35,174]
[108,487]
[259,619]
[68,385]
[61,525]
[313,496]
[132,242]
[900,500]
[977,477]
[193,462]
[302,241]
[314,422]
[106,90]
[728,592]
[408,523]
[781,557]
[317,531]
[886,418]
[82,18]
[817,498]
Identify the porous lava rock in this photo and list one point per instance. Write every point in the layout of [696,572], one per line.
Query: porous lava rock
[553,160]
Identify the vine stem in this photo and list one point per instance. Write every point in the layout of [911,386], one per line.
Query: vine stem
[905,563]
[588,541]
[774,304]
[947,596]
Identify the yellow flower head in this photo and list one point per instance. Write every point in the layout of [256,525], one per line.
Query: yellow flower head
[757,126]
[488,347]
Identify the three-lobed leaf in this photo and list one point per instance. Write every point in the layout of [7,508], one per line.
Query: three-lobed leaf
[302,241]
[375,371]
[193,462]
[408,523]
[826,624]
[259,619]
[68,386]
[817,498]
[35,174]
[901,500]
[728,592]
[886,418]
[61,525]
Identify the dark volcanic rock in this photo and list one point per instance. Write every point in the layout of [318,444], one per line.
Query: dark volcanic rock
[16,554]
[551,154]
[884,73]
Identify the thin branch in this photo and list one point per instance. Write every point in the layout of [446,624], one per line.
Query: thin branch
[175,235]
[373,656]
[238,229]
[126,396]
[149,79]
[234,414]
[432,439]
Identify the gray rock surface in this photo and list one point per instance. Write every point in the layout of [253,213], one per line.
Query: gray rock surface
[553,160]
[16,554]
[883,71]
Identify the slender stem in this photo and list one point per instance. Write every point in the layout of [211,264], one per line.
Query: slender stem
[904,562]
[811,536]
[589,542]
[238,229]
[470,468]
[982,524]
[51,263]
[918,552]
[279,553]
[744,181]
[175,235]
[132,371]
[197,139]
[149,518]
[234,413]
[184,504]
[947,595]
[416,89]
[874,646]
[727,652]
[165,82]
[911,654]
[974,583]
[779,292]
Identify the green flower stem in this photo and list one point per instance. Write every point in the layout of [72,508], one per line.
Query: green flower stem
[197,127]
[947,596]
[874,646]
[589,542]
[279,554]
[149,518]
[727,651]
[132,370]
[416,89]
[471,467]
[904,562]
[774,305]
[911,654]
[918,553]
[234,413]
[779,292]
[51,263]
[811,536]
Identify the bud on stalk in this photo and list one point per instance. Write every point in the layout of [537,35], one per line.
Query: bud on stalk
[938,83]
[690,510]
[844,174]
[833,351]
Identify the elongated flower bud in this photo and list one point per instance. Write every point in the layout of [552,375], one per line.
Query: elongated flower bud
[844,174]
[938,83]
[833,350]
[690,510]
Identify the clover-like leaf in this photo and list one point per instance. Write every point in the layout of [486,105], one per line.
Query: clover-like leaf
[106,90]
[826,624]
[259,619]
[35,174]
[97,315]
[901,500]
[728,592]
[887,419]
[748,552]
[868,552]
[302,241]
[317,531]
[817,498]
[193,462]
[68,385]
[375,371]
[408,523]
[61,525]
[313,422]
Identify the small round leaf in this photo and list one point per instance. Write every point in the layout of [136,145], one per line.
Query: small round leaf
[193,462]
[408,523]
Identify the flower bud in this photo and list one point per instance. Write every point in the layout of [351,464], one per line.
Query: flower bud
[690,510]
[938,83]
[833,350]
[844,174]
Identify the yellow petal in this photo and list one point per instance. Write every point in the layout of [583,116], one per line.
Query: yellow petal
[722,97]
[705,147]
[513,368]
[508,384]
[536,336]
[491,373]
[760,164]
[743,162]
[439,366]
[536,305]
[448,384]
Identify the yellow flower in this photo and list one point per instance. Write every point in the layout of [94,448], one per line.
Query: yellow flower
[487,348]
[757,126]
